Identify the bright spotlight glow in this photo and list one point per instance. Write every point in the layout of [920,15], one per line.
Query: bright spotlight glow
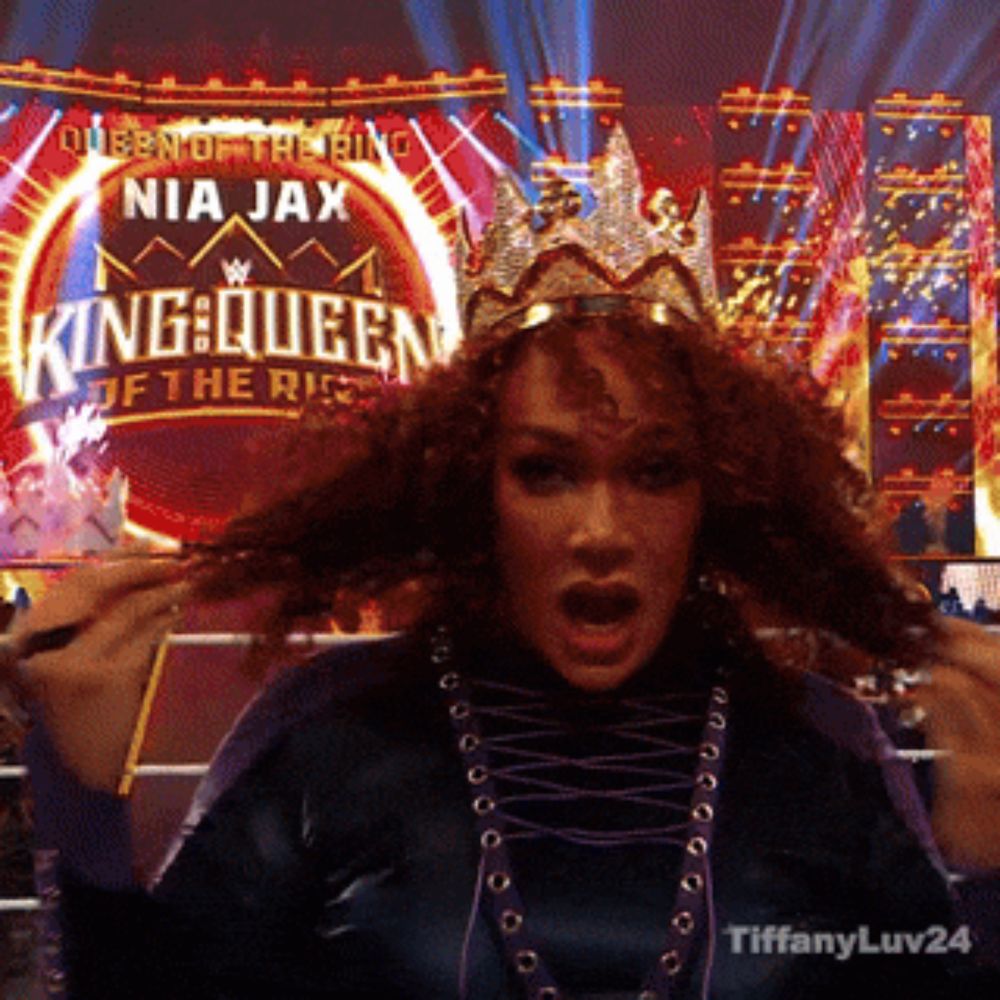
[424,235]
[456,196]
[521,136]
[492,160]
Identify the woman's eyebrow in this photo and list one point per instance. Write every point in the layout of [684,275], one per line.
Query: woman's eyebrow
[674,434]
[667,432]
[544,435]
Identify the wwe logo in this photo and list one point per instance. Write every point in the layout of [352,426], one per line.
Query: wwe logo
[236,271]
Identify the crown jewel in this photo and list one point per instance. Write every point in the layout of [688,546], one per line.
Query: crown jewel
[533,257]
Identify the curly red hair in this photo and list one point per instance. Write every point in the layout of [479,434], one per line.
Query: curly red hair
[401,490]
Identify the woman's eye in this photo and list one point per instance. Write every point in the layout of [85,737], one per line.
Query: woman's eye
[660,472]
[542,474]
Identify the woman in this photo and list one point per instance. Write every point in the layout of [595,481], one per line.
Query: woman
[575,774]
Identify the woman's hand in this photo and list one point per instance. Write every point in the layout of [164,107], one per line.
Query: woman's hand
[962,705]
[85,650]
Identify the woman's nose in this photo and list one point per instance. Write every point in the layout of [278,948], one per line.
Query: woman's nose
[601,540]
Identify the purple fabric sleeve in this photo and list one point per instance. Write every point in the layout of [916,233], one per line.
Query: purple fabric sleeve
[856,727]
[978,907]
[89,829]
[287,701]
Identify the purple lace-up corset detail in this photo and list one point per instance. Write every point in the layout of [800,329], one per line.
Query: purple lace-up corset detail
[608,772]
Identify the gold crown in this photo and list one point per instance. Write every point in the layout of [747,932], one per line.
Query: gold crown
[537,262]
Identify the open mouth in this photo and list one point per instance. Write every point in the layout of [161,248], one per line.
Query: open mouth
[599,606]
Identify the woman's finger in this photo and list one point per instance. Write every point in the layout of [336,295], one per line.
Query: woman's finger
[90,656]
[971,647]
[85,593]
[962,711]
[963,718]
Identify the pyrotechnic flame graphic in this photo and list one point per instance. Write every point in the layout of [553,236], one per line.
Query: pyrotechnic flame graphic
[79,429]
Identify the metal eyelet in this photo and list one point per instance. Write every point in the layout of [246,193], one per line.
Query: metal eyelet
[702,812]
[491,839]
[692,882]
[510,921]
[449,681]
[709,781]
[716,720]
[910,716]
[548,993]
[697,846]
[649,995]
[441,652]
[483,805]
[721,695]
[468,743]
[498,882]
[708,751]
[526,961]
[477,775]
[671,963]
[684,922]
[460,710]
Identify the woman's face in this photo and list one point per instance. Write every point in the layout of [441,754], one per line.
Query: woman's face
[596,518]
